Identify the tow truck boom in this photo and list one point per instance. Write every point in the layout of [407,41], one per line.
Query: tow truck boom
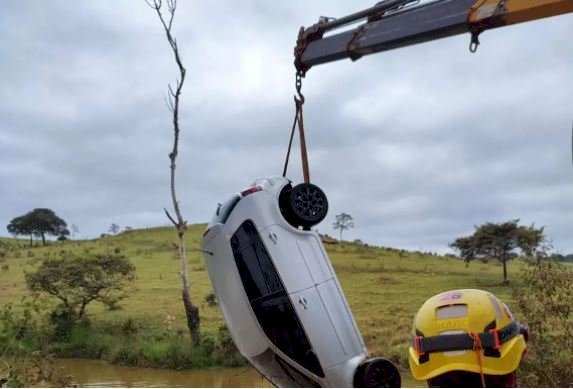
[392,24]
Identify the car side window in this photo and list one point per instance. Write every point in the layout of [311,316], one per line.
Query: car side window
[269,299]
[224,210]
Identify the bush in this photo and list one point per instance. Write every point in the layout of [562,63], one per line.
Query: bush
[129,327]
[546,306]
[36,370]
[62,321]
[15,325]
[227,351]
[25,329]
[211,299]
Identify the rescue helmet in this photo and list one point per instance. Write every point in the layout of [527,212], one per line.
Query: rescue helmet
[466,330]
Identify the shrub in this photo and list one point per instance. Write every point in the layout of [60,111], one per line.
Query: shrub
[211,299]
[546,306]
[62,321]
[129,327]
[36,370]
[228,352]
[77,281]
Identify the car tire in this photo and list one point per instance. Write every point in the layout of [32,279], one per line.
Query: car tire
[304,205]
[377,373]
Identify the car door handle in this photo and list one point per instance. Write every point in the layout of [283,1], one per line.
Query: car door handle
[302,301]
[273,237]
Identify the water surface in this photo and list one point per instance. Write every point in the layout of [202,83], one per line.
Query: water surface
[96,373]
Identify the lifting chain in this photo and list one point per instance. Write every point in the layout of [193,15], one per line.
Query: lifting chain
[298,119]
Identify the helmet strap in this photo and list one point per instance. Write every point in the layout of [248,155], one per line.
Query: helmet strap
[478,348]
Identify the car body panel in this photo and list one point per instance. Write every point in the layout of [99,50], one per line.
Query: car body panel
[341,318]
[309,249]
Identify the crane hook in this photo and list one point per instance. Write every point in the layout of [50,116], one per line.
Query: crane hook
[474,43]
[298,85]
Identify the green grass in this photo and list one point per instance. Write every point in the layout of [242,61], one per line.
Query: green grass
[384,287]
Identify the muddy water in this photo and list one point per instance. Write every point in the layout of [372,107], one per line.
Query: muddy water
[94,373]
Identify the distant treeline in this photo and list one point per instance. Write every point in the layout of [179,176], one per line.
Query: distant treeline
[563,258]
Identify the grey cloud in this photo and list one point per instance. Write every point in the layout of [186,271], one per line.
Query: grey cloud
[418,144]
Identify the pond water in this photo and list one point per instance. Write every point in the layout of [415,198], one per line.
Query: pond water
[94,373]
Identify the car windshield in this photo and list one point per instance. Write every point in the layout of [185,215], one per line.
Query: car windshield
[224,210]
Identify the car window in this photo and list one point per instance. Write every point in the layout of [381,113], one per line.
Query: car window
[224,210]
[269,299]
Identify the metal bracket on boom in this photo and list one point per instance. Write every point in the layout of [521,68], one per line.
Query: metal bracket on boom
[316,32]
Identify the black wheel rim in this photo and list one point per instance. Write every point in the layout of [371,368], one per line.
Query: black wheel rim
[309,202]
[380,376]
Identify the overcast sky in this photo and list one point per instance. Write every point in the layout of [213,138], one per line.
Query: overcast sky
[418,144]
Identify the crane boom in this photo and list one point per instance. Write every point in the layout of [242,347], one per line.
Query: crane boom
[392,24]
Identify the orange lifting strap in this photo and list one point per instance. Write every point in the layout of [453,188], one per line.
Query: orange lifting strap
[298,119]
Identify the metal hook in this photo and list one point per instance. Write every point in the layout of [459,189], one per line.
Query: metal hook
[474,43]
[298,85]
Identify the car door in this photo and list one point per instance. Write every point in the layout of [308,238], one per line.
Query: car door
[319,327]
[287,258]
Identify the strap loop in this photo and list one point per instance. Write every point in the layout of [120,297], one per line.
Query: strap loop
[477,347]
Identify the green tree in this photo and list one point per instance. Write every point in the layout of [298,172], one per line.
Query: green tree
[343,222]
[113,229]
[77,281]
[21,226]
[39,222]
[502,241]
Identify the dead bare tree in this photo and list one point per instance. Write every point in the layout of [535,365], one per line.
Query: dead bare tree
[173,98]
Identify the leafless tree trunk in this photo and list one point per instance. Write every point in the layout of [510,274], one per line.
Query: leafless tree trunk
[191,311]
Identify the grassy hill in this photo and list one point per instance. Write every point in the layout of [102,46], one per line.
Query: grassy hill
[384,287]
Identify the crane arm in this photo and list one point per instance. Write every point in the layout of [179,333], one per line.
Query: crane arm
[392,24]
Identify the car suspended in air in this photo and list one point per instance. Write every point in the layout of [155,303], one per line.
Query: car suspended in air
[278,292]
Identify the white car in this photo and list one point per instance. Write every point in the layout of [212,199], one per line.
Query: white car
[279,294]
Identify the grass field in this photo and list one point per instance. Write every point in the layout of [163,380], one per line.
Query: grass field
[384,287]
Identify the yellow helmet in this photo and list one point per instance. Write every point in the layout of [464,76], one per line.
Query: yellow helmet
[452,327]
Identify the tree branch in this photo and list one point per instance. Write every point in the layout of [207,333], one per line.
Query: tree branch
[170,218]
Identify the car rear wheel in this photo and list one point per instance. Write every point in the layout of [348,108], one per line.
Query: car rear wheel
[377,373]
[304,205]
